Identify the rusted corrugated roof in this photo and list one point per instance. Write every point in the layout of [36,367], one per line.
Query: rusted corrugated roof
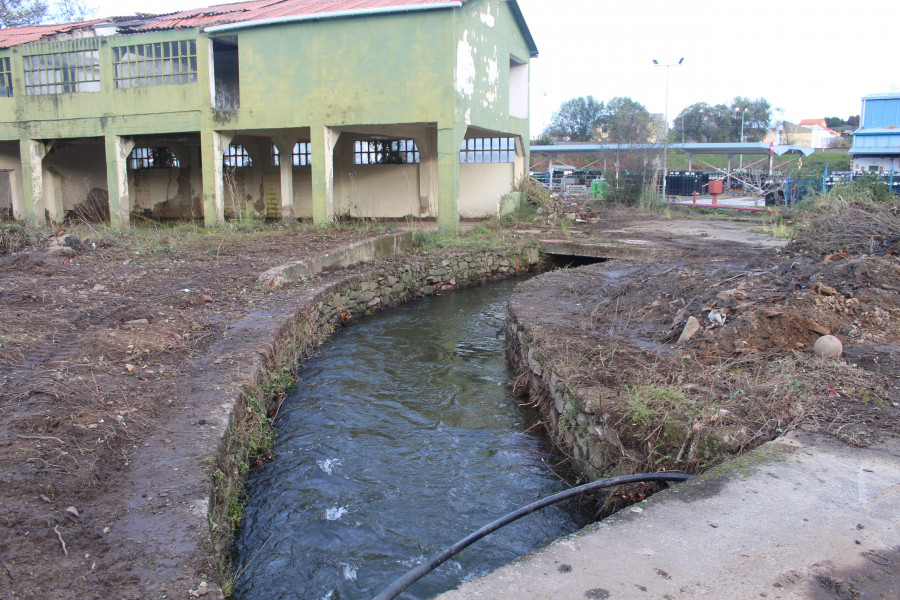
[239,12]
[257,10]
[14,36]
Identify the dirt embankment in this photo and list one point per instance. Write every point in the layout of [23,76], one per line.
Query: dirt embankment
[105,343]
[612,333]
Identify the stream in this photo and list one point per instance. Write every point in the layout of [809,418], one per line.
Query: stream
[400,437]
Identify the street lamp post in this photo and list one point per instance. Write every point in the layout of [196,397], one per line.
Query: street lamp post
[666,135]
[743,112]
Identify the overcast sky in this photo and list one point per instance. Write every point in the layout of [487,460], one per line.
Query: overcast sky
[811,58]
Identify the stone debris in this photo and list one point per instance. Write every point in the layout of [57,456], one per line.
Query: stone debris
[690,329]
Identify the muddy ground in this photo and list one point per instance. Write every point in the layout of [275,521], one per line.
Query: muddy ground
[105,339]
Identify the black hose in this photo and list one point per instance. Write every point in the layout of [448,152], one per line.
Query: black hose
[396,588]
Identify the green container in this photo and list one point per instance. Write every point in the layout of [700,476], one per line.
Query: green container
[599,189]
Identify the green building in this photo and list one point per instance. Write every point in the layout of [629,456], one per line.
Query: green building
[292,108]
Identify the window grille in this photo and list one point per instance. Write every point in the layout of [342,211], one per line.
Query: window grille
[162,63]
[301,155]
[488,150]
[152,158]
[385,152]
[6,89]
[63,72]
[236,156]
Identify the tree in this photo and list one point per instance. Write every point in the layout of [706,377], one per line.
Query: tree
[756,119]
[628,122]
[834,122]
[721,123]
[699,123]
[16,13]
[576,120]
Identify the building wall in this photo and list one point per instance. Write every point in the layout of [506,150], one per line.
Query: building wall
[442,71]
[481,186]
[876,164]
[879,113]
[383,69]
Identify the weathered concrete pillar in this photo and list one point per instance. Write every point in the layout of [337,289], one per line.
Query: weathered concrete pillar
[32,153]
[324,139]
[117,150]
[520,168]
[449,142]
[285,145]
[428,173]
[212,151]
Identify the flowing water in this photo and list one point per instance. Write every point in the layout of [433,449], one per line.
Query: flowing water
[400,438]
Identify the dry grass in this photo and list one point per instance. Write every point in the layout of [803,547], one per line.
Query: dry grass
[859,217]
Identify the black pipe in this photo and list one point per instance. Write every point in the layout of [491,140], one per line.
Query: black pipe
[413,575]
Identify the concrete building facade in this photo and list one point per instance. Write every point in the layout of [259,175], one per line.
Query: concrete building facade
[298,108]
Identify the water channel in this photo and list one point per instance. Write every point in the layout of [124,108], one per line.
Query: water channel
[401,437]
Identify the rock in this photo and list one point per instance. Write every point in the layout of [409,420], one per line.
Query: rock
[727,299]
[828,346]
[824,290]
[690,329]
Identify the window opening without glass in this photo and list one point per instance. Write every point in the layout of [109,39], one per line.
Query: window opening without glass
[236,156]
[301,155]
[152,158]
[385,152]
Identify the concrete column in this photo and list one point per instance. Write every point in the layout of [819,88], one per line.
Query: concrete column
[428,172]
[53,197]
[323,141]
[285,147]
[449,142]
[212,150]
[117,150]
[520,168]
[32,153]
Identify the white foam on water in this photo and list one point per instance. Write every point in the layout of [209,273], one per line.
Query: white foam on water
[335,513]
[328,464]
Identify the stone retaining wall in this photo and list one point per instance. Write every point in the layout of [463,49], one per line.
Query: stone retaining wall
[576,426]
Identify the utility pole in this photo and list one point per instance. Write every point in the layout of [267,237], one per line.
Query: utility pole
[666,135]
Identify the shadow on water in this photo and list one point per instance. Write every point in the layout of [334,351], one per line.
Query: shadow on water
[400,438]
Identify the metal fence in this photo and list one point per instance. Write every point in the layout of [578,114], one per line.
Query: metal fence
[798,187]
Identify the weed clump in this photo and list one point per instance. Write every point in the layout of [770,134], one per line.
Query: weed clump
[860,217]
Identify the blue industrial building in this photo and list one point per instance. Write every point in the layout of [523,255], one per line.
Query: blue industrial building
[876,144]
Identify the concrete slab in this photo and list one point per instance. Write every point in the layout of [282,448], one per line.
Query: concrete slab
[622,249]
[797,518]
[749,234]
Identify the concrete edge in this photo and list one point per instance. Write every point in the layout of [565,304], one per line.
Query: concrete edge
[358,252]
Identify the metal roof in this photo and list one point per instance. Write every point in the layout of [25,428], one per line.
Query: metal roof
[745,148]
[14,36]
[271,10]
[253,13]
